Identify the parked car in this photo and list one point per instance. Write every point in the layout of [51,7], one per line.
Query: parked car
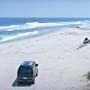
[27,72]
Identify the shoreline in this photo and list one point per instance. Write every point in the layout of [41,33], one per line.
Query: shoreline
[31,37]
[61,65]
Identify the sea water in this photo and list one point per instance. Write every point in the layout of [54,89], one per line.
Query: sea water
[20,28]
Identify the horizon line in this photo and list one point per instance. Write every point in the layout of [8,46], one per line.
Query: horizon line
[40,17]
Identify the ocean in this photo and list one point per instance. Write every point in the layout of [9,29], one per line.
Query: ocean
[20,28]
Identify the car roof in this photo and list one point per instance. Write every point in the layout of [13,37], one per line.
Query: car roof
[27,63]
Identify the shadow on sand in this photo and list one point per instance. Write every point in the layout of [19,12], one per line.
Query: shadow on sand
[16,84]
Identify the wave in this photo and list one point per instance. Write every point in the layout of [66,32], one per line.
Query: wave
[31,25]
[21,35]
[30,29]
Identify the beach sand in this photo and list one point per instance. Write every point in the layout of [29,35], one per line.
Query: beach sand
[62,62]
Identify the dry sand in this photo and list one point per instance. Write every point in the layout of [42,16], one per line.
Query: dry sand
[61,65]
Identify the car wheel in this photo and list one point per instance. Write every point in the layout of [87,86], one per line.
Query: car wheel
[19,82]
[36,75]
[33,80]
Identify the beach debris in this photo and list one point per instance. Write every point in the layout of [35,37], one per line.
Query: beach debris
[77,27]
[85,42]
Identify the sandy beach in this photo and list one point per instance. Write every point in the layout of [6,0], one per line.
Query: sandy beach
[62,62]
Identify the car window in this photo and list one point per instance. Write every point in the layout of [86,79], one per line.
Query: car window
[25,70]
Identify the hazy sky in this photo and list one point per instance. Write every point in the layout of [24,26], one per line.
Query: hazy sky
[44,8]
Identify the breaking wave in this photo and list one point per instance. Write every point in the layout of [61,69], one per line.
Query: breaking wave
[22,35]
[11,32]
[37,24]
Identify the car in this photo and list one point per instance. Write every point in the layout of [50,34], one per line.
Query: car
[27,72]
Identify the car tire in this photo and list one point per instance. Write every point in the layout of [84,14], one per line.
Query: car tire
[19,82]
[33,82]
[36,74]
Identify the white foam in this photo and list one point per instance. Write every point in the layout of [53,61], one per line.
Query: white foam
[35,25]
[19,35]
[28,33]
[8,38]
